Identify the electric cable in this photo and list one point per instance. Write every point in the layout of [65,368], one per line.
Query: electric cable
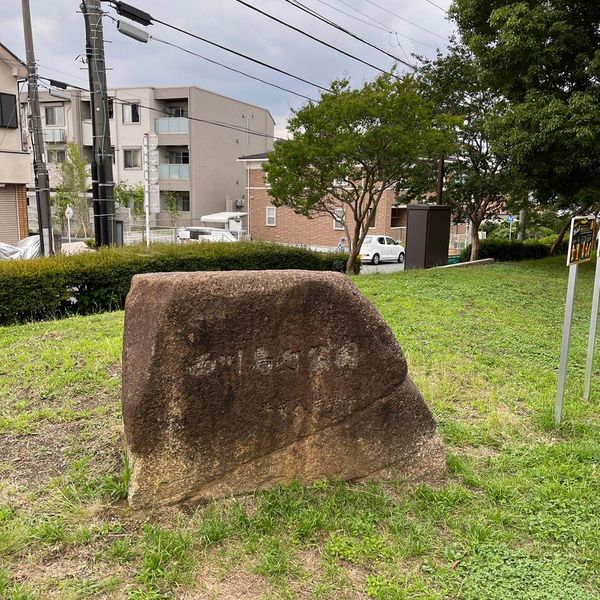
[297,4]
[210,60]
[314,38]
[405,19]
[240,54]
[375,23]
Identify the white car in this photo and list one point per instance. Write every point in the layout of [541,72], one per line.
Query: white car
[380,248]
[204,234]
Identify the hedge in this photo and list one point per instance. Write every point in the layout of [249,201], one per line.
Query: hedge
[99,281]
[503,250]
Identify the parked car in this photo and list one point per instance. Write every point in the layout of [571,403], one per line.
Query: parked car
[204,234]
[380,248]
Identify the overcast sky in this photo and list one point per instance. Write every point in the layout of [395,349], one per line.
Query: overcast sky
[59,40]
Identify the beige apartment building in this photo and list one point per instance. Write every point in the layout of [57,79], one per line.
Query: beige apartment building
[197,159]
[15,162]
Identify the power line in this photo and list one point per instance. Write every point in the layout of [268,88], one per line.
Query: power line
[312,37]
[379,26]
[220,64]
[297,4]
[405,19]
[240,54]
[210,60]
[375,23]
[437,6]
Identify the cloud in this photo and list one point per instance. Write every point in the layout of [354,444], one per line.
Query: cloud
[59,39]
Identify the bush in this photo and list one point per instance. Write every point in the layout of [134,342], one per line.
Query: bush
[99,281]
[503,250]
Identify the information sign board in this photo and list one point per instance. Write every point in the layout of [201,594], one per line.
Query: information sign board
[581,240]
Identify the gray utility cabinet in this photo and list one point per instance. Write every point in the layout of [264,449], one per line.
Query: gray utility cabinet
[427,235]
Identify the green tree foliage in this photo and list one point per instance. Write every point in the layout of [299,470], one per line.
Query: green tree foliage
[543,56]
[477,181]
[73,188]
[351,146]
[131,196]
[170,200]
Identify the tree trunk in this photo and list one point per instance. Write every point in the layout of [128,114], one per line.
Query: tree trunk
[351,262]
[474,239]
[522,224]
[561,235]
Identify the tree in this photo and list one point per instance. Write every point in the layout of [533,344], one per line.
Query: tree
[477,183]
[73,189]
[543,56]
[170,200]
[350,147]
[131,196]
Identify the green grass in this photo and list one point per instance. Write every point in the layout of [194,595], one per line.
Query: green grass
[517,516]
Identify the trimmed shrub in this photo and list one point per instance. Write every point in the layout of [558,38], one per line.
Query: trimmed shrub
[503,250]
[99,281]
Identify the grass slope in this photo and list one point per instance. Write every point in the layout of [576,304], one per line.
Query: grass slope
[516,518]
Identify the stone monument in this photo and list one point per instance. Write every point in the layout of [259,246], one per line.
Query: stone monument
[238,381]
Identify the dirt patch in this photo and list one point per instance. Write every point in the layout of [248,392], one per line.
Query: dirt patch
[31,460]
[233,585]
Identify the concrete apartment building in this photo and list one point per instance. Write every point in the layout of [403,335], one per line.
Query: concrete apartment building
[283,225]
[198,160]
[15,162]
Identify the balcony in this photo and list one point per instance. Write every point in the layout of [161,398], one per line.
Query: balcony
[171,125]
[55,135]
[167,172]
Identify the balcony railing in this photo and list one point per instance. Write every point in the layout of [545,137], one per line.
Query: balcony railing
[171,125]
[174,171]
[55,135]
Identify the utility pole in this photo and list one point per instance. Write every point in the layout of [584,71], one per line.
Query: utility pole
[102,175]
[42,183]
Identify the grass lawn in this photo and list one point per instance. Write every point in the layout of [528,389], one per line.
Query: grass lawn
[517,517]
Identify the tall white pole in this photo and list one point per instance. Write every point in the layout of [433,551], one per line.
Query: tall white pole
[589,364]
[564,348]
[147,186]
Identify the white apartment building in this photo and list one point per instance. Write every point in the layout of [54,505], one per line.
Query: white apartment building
[198,160]
[15,162]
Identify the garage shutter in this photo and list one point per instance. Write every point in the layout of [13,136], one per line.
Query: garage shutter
[9,223]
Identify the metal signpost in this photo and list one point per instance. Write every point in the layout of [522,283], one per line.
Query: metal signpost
[581,243]
[151,190]
[589,363]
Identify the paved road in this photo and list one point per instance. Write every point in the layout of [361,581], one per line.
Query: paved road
[391,267]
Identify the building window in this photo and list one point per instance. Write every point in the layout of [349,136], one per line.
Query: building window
[271,216]
[56,156]
[132,158]
[8,111]
[131,113]
[111,108]
[55,116]
[177,111]
[338,219]
[179,157]
[183,202]
[397,214]
[372,217]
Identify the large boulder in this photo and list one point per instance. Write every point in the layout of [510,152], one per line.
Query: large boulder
[238,381]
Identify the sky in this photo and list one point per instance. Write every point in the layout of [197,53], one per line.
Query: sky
[59,40]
